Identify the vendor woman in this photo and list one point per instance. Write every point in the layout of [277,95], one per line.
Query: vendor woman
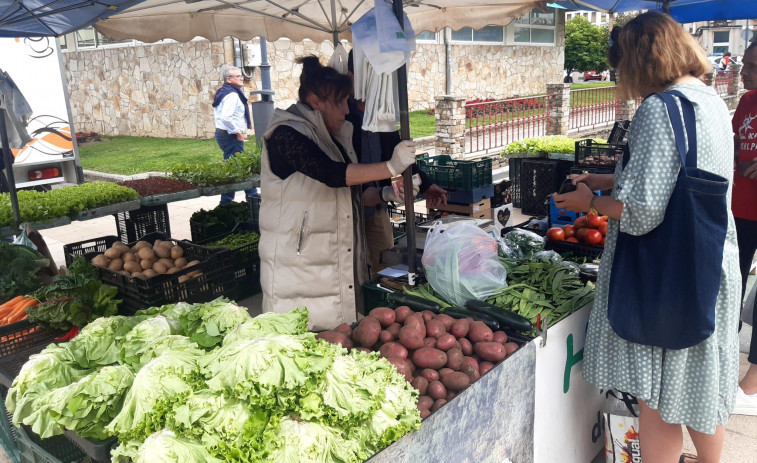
[312,246]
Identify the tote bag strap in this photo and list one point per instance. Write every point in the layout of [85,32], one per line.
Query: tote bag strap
[687,159]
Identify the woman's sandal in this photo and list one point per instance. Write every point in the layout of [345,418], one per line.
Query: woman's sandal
[688,458]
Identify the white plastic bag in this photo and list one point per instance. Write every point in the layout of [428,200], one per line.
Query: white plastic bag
[338,59]
[392,37]
[461,263]
[621,417]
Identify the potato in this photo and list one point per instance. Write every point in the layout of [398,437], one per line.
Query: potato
[146,254]
[491,351]
[425,401]
[161,251]
[385,336]
[113,252]
[394,328]
[479,332]
[445,342]
[145,264]
[367,332]
[436,390]
[500,337]
[416,321]
[429,342]
[511,347]
[149,273]
[484,367]
[142,244]
[404,367]
[172,270]
[454,358]
[132,267]
[470,368]
[430,375]
[156,242]
[465,346]
[424,412]
[128,257]
[435,328]
[184,278]
[167,262]
[401,313]
[450,395]
[119,244]
[446,320]
[411,338]
[335,337]
[421,384]
[116,264]
[461,327]
[194,262]
[196,273]
[344,328]
[445,371]
[177,252]
[428,357]
[159,267]
[180,262]
[138,275]
[438,404]
[393,349]
[384,315]
[124,272]
[100,260]
[427,315]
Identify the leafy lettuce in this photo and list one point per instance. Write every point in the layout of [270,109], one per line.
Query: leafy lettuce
[312,442]
[140,339]
[166,447]
[206,324]
[269,324]
[99,343]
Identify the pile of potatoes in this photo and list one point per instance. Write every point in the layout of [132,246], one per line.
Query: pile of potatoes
[145,260]
[439,355]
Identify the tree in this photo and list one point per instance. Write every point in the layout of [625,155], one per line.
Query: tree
[623,18]
[586,45]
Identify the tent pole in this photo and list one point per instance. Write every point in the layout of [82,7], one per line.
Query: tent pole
[408,174]
[9,168]
[666,7]
[334,27]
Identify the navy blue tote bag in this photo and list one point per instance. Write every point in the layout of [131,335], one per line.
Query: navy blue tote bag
[664,284]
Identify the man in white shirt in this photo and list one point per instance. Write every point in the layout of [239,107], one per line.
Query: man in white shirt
[232,118]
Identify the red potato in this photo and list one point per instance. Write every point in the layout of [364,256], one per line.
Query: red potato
[367,332]
[416,321]
[511,347]
[479,332]
[446,320]
[436,390]
[465,346]
[393,350]
[461,327]
[424,412]
[429,342]
[470,368]
[411,338]
[445,371]
[430,375]
[445,342]
[450,395]
[394,328]
[384,315]
[425,401]
[404,367]
[427,315]
[385,336]
[335,337]
[456,381]
[421,384]
[500,337]
[438,404]
[491,351]
[344,328]
[435,328]
[484,367]
[428,357]
[401,313]
[454,358]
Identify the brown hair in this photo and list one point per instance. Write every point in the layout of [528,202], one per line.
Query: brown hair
[652,51]
[322,81]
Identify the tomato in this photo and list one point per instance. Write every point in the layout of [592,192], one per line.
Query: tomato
[555,234]
[602,228]
[572,239]
[604,218]
[602,243]
[593,220]
[569,230]
[580,222]
[593,237]
[581,234]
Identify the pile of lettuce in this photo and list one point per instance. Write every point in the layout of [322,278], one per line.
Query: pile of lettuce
[208,383]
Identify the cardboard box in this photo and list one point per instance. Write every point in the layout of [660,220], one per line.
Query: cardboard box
[467,209]
[503,217]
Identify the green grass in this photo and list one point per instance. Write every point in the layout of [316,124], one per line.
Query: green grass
[592,85]
[133,155]
[422,124]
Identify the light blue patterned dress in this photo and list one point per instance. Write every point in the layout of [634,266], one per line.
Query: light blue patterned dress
[697,386]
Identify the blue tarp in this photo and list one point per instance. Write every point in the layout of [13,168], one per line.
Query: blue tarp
[45,18]
[683,11]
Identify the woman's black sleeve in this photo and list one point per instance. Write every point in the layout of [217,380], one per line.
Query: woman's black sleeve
[289,151]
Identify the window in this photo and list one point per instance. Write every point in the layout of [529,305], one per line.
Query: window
[89,38]
[426,36]
[488,34]
[537,27]
[721,40]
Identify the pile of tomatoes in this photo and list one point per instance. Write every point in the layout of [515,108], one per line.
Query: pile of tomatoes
[588,229]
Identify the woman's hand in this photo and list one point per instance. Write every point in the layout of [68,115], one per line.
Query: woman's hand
[435,196]
[577,201]
[403,157]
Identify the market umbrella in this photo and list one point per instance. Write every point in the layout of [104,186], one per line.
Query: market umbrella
[683,11]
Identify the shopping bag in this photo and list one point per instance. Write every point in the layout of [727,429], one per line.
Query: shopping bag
[621,419]
[664,284]
[392,37]
[747,312]
[338,59]
[461,263]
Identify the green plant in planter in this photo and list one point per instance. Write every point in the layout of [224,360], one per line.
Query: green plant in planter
[538,146]
[233,170]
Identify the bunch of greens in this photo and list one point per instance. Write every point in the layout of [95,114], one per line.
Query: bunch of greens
[236,169]
[270,324]
[100,343]
[236,240]
[20,267]
[208,323]
[221,219]
[542,145]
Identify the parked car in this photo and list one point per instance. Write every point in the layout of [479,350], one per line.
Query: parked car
[592,75]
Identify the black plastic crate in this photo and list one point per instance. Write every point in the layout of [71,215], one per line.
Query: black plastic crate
[246,262]
[575,249]
[243,285]
[253,201]
[453,174]
[515,194]
[539,178]
[591,153]
[139,293]
[203,231]
[18,341]
[56,449]
[374,296]
[619,132]
[398,219]
[97,451]
[98,245]
[133,225]
[502,193]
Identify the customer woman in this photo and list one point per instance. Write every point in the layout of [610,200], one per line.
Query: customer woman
[312,246]
[695,387]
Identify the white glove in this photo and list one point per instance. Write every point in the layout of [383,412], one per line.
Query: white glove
[402,157]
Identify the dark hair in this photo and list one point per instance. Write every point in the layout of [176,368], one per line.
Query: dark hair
[752,44]
[350,63]
[322,81]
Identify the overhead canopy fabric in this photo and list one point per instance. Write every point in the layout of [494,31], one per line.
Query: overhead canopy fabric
[183,20]
[683,11]
[46,18]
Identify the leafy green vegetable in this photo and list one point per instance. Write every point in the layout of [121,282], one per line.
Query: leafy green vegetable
[206,324]
[307,441]
[221,219]
[100,342]
[166,447]
[73,300]
[541,145]
[143,336]
[236,240]
[270,324]
[523,243]
[233,170]
[20,267]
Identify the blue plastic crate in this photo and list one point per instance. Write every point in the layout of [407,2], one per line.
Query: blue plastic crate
[560,217]
[470,196]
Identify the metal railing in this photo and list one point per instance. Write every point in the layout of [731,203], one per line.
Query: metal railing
[497,123]
[592,107]
[723,81]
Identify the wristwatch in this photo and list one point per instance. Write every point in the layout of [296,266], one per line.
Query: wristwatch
[592,208]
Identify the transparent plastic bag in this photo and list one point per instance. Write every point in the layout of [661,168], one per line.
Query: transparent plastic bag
[461,263]
[23,239]
[523,242]
[548,256]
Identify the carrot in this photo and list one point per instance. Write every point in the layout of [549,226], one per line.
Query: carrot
[19,311]
[12,302]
